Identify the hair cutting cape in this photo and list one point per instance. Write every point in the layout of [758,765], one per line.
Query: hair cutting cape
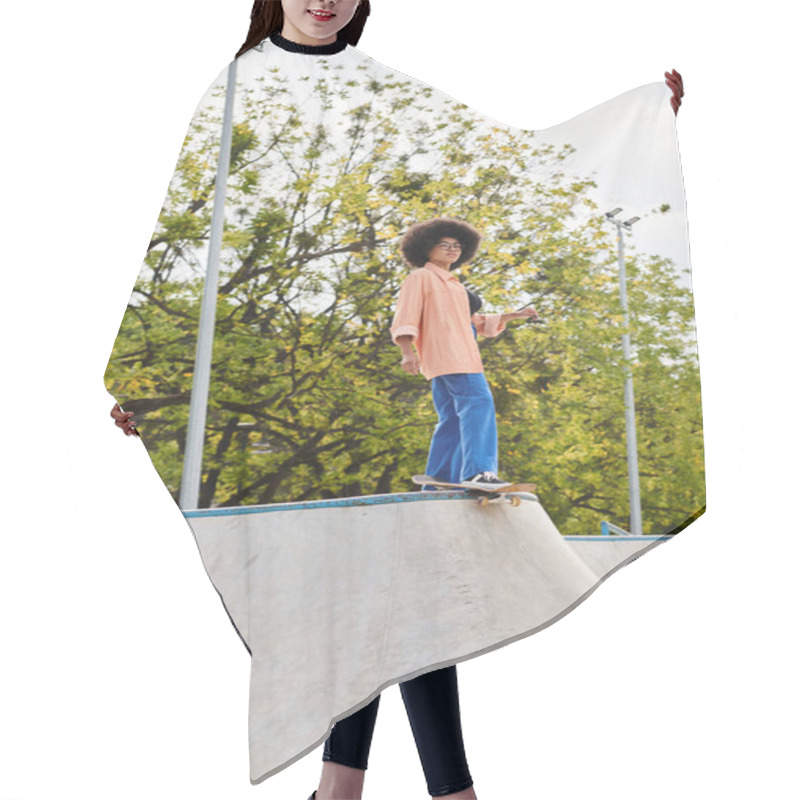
[340,575]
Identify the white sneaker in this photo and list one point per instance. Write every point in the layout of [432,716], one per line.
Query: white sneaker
[486,480]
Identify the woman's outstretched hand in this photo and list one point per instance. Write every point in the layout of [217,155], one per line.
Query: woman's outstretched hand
[525,313]
[675,82]
[124,420]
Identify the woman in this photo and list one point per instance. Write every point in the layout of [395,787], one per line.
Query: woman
[434,314]
[314,27]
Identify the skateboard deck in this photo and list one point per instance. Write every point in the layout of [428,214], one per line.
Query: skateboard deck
[485,496]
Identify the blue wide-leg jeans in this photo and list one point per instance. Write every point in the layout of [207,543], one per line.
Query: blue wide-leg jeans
[464,441]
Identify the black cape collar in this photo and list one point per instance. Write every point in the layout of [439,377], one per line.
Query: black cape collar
[308,49]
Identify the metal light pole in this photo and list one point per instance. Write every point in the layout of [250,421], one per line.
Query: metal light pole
[630,413]
[198,405]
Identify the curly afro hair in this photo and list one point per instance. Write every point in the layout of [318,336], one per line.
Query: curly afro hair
[422,237]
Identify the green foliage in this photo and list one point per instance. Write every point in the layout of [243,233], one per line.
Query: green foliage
[307,397]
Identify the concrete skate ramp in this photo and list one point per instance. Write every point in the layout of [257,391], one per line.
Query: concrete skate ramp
[336,600]
[605,554]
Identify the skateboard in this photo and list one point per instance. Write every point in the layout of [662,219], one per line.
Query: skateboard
[485,496]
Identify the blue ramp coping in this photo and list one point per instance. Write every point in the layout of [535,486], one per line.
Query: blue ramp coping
[338,502]
[601,539]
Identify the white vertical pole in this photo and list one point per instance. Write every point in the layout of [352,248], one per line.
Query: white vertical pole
[195,434]
[630,413]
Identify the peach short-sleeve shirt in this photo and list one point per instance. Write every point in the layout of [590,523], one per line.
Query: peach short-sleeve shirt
[433,307]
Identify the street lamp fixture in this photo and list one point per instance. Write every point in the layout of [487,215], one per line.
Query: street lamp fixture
[630,413]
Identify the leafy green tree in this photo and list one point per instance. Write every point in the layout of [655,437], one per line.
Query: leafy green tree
[307,396]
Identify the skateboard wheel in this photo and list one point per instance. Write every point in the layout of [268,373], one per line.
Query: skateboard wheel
[515,501]
[483,501]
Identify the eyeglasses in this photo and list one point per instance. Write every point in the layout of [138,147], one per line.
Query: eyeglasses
[449,246]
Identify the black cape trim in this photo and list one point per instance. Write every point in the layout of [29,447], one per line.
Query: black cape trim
[308,49]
